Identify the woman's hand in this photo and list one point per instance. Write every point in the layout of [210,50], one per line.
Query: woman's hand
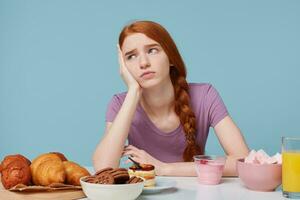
[143,157]
[126,75]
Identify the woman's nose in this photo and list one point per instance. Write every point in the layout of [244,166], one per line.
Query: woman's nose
[144,62]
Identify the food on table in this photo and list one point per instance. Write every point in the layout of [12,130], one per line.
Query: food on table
[44,170]
[47,168]
[145,171]
[261,157]
[112,176]
[74,172]
[209,169]
[15,170]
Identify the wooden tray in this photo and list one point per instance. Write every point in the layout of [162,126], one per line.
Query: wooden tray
[57,195]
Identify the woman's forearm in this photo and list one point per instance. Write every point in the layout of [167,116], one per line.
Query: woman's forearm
[230,166]
[188,168]
[109,150]
[177,169]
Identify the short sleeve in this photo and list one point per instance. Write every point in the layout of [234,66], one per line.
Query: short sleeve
[216,107]
[112,109]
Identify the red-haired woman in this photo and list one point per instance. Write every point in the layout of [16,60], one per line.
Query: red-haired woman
[165,119]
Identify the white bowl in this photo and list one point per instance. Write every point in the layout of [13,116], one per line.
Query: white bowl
[112,192]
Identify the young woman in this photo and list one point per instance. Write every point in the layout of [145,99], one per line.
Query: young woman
[165,119]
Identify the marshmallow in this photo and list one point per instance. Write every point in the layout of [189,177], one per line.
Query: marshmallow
[261,157]
[251,157]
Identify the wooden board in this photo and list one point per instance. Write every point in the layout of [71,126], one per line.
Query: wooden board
[58,195]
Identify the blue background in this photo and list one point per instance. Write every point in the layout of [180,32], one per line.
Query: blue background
[59,68]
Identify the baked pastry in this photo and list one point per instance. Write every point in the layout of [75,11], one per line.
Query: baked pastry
[74,172]
[47,168]
[61,156]
[145,171]
[15,170]
[9,158]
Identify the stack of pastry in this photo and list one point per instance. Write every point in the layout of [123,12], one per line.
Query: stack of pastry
[44,170]
[145,171]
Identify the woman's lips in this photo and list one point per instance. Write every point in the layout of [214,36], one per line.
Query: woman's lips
[148,75]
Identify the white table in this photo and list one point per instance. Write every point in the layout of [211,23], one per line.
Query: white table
[187,188]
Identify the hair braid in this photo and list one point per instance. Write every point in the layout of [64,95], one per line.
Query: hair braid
[186,115]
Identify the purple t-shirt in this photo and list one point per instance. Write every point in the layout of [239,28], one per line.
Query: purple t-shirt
[168,147]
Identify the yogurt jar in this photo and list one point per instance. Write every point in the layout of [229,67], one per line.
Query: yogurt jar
[209,168]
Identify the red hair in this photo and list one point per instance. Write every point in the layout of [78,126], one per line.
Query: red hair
[178,77]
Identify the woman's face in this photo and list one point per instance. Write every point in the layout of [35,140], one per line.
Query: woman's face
[146,60]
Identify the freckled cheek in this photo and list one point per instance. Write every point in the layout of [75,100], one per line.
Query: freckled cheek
[133,68]
[162,67]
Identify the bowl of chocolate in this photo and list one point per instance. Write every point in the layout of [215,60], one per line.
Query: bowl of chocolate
[112,184]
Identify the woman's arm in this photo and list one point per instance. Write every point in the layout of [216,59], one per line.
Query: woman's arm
[233,143]
[230,138]
[161,168]
[108,152]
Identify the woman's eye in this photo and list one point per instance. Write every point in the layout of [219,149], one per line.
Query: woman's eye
[153,50]
[131,57]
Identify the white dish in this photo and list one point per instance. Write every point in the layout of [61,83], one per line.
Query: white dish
[111,192]
[162,183]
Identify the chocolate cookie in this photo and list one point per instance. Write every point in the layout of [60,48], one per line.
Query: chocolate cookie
[134,179]
[105,178]
[112,176]
[107,169]
[120,175]
[90,179]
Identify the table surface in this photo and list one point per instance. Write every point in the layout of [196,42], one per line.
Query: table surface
[230,188]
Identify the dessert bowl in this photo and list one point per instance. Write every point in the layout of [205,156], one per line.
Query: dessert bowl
[260,177]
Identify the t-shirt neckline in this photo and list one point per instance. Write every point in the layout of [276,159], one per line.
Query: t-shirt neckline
[154,128]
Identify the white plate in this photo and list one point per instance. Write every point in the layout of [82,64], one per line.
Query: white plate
[162,183]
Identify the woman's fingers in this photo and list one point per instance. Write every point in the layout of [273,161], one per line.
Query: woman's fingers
[131,153]
[128,161]
[136,159]
[121,59]
[131,147]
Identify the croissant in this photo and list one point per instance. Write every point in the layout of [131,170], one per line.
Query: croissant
[61,156]
[46,169]
[15,170]
[50,171]
[74,172]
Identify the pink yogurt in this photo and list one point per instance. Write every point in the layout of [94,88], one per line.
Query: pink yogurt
[209,169]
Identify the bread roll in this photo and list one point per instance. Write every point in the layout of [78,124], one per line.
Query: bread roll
[9,158]
[15,170]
